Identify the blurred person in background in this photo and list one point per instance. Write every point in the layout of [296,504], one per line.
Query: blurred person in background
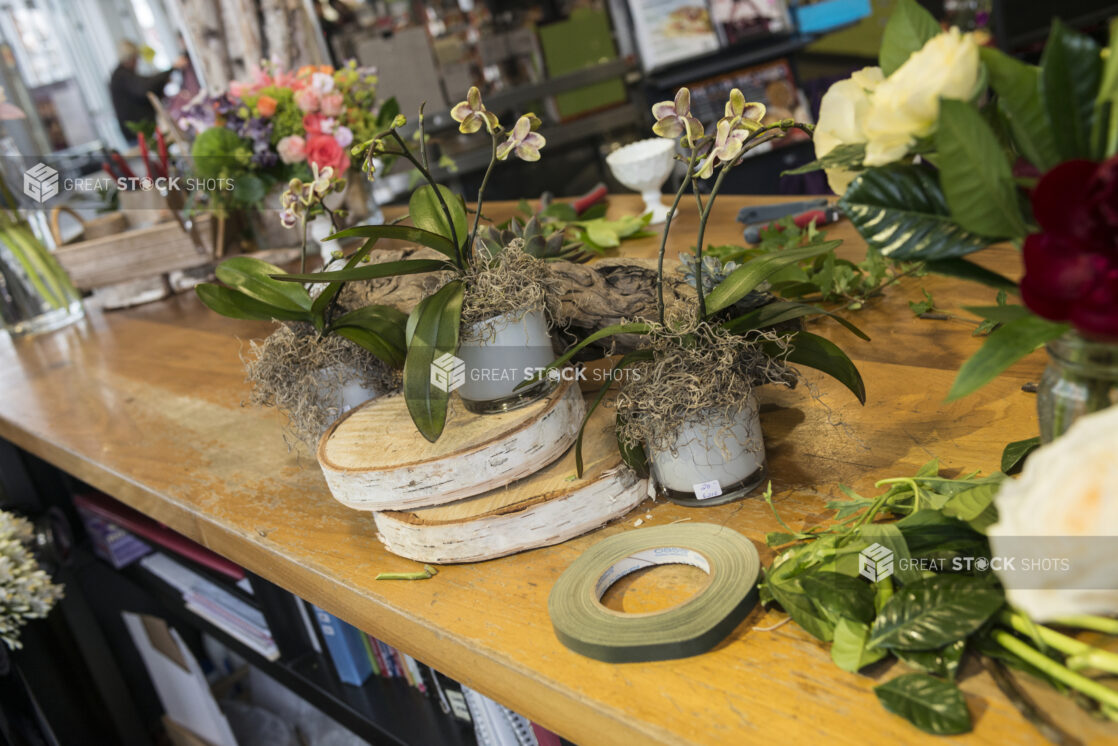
[129,89]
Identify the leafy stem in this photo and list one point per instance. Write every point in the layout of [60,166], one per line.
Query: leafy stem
[1080,654]
[1093,689]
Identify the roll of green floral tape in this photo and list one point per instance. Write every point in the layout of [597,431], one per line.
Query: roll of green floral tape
[587,627]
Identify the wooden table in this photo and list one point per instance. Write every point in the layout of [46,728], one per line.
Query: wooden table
[147,406]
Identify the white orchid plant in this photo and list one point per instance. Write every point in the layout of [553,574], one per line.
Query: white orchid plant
[716,314]
[260,291]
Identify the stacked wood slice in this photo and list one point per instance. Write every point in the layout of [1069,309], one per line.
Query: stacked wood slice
[491,485]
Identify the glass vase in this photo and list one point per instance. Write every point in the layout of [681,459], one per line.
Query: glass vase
[1081,378]
[35,293]
[715,459]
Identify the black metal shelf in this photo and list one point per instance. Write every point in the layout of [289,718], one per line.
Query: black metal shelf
[382,711]
[727,60]
[513,98]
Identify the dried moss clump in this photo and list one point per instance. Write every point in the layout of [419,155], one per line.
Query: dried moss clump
[514,282]
[302,374]
[697,368]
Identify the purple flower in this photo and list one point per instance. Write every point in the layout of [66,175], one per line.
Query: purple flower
[344,136]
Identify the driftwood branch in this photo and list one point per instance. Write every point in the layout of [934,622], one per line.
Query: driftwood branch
[592,295]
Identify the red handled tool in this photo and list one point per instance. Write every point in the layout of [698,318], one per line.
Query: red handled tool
[820,217]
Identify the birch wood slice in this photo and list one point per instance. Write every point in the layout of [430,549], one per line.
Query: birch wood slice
[375,459]
[545,508]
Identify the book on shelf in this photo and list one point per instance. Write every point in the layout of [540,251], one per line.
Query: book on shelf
[497,725]
[112,543]
[216,604]
[346,648]
[133,520]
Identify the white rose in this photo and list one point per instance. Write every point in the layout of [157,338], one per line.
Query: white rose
[842,118]
[906,105]
[1067,491]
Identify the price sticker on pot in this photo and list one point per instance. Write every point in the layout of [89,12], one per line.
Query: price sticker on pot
[707,490]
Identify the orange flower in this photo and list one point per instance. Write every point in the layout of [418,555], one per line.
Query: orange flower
[266,105]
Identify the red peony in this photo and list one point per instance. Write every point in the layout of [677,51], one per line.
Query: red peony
[324,151]
[1071,266]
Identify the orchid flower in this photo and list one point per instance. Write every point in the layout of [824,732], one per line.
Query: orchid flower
[744,113]
[471,114]
[728,144]
[523,141]
[673,118]
[322,181]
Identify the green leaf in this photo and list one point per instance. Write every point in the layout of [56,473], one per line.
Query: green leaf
[974,505]
[388,111]
[778,312]
[1005,346]
[922,306]
[633,327]
[371,271]
[850,650]
[601,236]
[1015,453]
[747,277]
[1002,314]
[824,355]
[237,305]
[891,537]
[847,156]
[562,211]
[966,270]
[409,233]
[323,299]
[940,662]
[931,534]
[428,214]
[626,360]
[840,596]
[779,538]
[1018,87]
[901,211]
[933,706]
[437,318]
[935,611]
[252,277]
[975,175]
[910,26]
[802,610]
[379,329]
[1070,70]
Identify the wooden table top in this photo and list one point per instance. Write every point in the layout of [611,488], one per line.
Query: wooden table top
[147,405]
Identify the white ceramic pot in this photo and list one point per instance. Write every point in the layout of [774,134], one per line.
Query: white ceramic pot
[715,458]
[351,393]
[500,353]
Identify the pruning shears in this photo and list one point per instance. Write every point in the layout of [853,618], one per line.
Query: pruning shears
[806,212]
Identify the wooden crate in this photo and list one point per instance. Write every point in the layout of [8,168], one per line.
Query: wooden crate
[136,254]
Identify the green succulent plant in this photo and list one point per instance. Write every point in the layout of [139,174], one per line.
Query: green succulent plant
[537,242]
